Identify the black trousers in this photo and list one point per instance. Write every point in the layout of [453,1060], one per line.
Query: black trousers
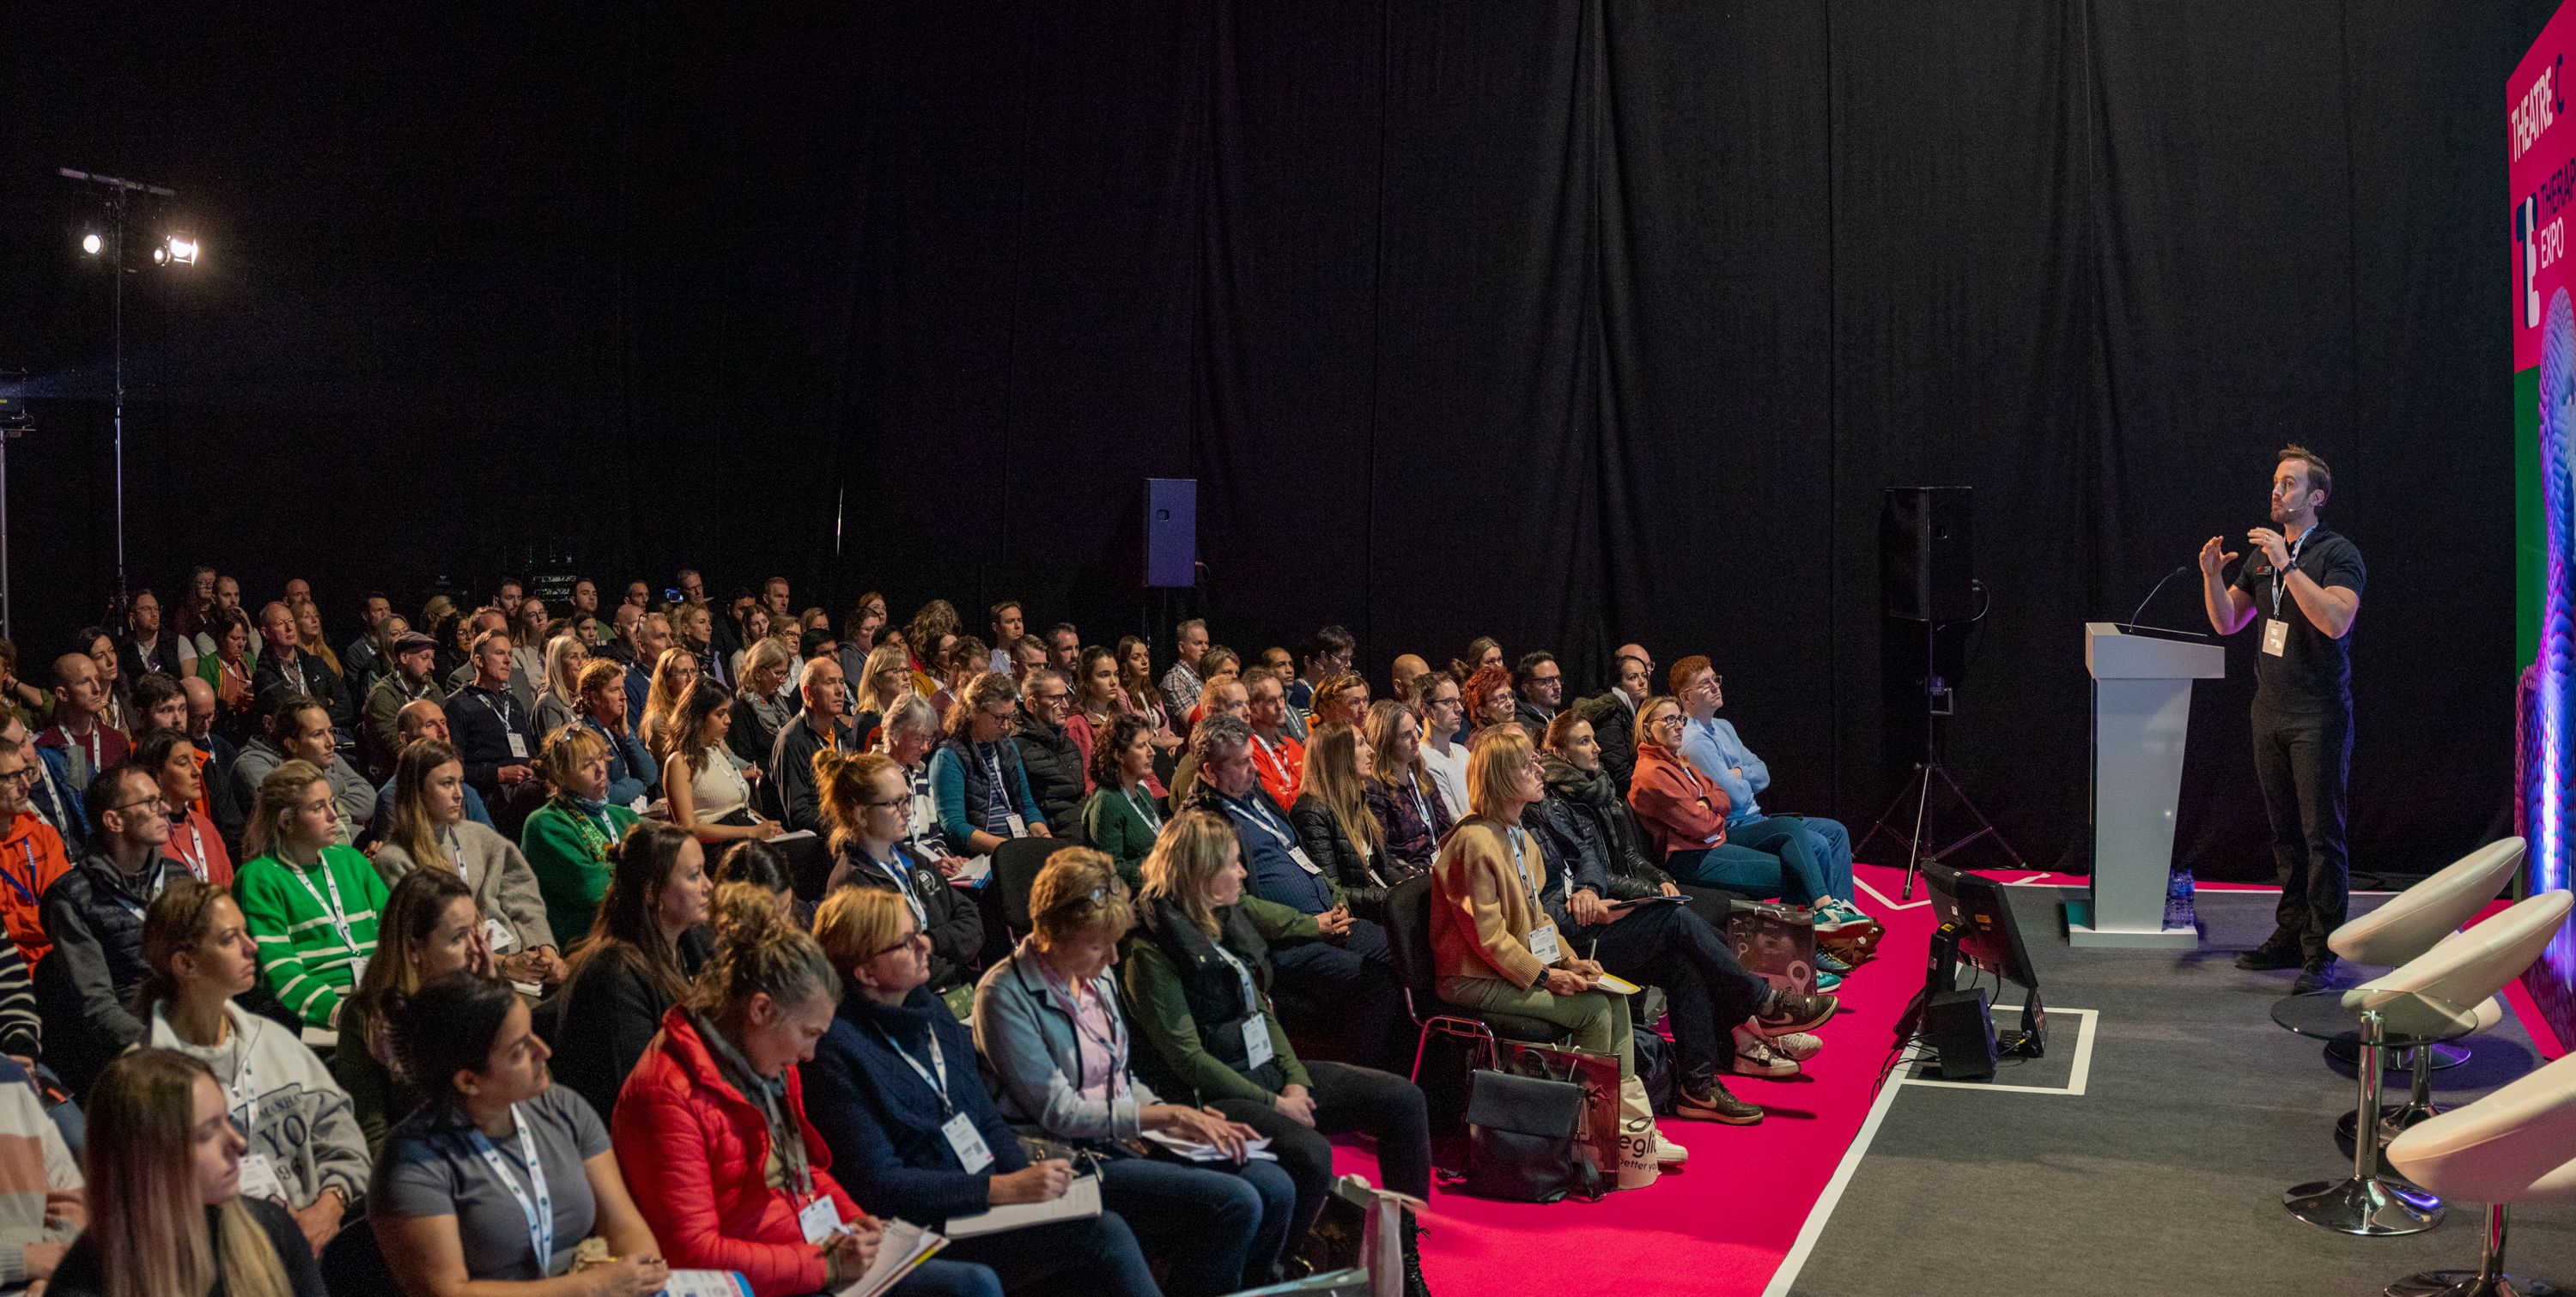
[1705,987]
[2304,762]
[1347,1099]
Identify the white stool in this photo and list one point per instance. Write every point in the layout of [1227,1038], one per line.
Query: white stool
[2512,1146]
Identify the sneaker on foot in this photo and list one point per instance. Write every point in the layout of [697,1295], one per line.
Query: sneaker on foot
[1710,1101]
[1800,1045]
[1794,1012]
[1755,1057]
[2317,974]
[1827,963]
[1827,981]
[2274,954]
[1668,1153]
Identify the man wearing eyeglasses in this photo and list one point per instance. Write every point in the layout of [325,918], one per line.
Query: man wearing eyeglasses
[1048,754]
[94,914]
[1713,746]
[31,853]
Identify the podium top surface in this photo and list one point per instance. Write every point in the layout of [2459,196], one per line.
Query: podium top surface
[2113,654]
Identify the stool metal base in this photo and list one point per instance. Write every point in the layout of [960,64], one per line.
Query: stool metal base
[2470,1283]
[2445,1055]
[2373,1208]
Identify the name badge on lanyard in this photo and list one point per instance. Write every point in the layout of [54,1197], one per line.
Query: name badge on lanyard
[1542,935]
[540,1209]
[820,1220]
[2276,636]
[1019,824]
[1255,1028]
[959,1130]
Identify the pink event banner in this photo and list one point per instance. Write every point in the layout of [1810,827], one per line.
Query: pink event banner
[2542,142]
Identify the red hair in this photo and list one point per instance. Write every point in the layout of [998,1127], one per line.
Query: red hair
[1480,687]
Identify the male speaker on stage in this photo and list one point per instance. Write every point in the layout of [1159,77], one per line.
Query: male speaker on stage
[2302,584]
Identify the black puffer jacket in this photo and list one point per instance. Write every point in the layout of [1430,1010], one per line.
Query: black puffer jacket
[1614,724]
[1055,774]
[1332,850]
[1591,797]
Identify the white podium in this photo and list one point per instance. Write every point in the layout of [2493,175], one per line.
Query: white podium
[2141,716]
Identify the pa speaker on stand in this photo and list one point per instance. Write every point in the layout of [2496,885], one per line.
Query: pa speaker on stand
[1928,583]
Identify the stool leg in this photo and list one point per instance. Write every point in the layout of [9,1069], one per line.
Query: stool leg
[2488,1280]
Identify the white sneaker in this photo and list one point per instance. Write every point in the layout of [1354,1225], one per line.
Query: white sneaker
[1668,1153]
[1800,1045]
[1754,1056]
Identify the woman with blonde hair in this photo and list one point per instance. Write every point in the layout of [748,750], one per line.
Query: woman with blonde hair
[1332,819]
[1048,1024]
[310,902]
[306,1151]
[712,1130]
[559,698]
[430,831]
[1402,797]
[900,1103]
[308,635]
[882,681]
[675,673]
[1198,981]
[758,714]
[164,1166]
[566,841]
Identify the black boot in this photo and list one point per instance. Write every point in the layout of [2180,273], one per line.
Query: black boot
[1414,1286]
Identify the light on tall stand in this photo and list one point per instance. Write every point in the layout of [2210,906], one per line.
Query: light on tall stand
[173,249]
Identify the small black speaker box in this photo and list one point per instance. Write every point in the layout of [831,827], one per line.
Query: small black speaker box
[1960,1028]
[1923,553]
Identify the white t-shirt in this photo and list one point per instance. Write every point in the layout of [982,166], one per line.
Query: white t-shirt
[1449,775]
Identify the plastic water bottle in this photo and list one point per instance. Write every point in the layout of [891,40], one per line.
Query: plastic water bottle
[2178,907]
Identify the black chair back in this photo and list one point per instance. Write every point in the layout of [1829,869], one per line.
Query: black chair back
[1408,939]
[1015,871]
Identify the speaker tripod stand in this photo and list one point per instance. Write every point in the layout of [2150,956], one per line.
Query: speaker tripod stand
[1928,771]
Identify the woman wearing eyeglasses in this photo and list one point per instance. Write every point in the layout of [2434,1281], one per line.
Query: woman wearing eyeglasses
[984,798]
[868,805]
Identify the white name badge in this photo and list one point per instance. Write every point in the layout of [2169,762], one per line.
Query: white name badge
[820,1219]
[968,1142]
[1019,826]
[1298,854]
[1542,943]
[2276,636]
[518,745]
[259,1179]
[1256,1042]
[499,935]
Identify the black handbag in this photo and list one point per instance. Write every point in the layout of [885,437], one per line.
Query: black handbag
[1521,1140]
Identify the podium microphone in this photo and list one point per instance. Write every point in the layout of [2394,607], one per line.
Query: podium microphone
[2132,623]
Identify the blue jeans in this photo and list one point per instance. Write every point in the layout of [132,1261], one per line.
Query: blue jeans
[1216,1226]
[937,1278]
[1769,856]
[1829,843]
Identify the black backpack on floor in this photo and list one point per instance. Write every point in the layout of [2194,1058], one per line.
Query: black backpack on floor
[1521,1140]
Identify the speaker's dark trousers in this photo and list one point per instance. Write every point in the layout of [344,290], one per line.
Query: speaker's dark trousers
[2304,761]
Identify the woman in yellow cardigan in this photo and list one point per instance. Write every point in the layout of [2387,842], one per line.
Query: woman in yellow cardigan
[1496,948]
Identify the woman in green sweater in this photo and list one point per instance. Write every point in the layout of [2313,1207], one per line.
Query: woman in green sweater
[1122,817]
[1197,973]
[566,840]
[310,903]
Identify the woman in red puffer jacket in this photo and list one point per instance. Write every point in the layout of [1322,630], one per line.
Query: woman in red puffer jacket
[711,1123]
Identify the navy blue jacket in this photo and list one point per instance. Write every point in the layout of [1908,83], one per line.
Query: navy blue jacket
[882,1124]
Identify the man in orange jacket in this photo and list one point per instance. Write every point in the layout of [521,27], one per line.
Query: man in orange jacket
[31,854]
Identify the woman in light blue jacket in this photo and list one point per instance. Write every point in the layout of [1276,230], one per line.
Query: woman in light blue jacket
[1047,1021]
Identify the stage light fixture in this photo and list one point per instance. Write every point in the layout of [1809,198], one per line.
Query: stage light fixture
[182,249]
[160,256]
[91,243]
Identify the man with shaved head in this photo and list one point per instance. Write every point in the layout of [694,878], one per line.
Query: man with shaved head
[1409,667]
[419,722]
[80,729]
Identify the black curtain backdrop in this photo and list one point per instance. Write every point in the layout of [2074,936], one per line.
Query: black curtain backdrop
[1568,323]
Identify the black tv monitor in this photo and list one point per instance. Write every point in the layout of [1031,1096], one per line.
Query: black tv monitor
[1981,911]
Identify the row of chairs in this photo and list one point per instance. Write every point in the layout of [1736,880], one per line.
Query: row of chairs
[2512,1146]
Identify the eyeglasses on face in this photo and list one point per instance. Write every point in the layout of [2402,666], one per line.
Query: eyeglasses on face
[898,943]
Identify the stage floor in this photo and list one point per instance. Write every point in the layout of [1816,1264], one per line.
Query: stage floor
[2146,1155]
